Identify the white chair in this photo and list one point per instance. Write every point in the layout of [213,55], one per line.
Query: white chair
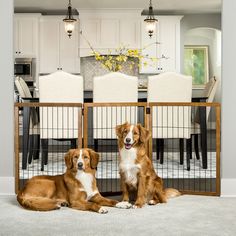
[170,122]
[209,92]
[59,123]
[112,88]
[30,145]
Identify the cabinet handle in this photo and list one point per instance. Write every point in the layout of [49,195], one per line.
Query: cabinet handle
[19,52]
[16,52]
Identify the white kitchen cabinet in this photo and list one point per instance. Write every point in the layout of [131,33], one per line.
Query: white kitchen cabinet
[26,35]
[106,31]
[57,50]
[167,49]
[130,32]
[90,29]
[109,33]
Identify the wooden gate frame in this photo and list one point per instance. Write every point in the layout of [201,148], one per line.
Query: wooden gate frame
[17,106]
[83,114]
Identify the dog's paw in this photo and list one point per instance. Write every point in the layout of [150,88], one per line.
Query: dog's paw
[124,205]
[152,202]
[102,210]
[136,206]
[65,204]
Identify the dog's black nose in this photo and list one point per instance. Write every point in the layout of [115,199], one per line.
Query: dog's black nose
[80,164]
[127,140]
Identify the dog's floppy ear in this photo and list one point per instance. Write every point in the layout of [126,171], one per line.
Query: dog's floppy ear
[69,159]
[94,158]
[119,129]
[144,133]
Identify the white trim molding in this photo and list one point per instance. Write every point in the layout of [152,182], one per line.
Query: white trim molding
[228,187]
[7,185]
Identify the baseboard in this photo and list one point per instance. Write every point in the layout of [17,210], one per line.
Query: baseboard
[228,187]
[7,185]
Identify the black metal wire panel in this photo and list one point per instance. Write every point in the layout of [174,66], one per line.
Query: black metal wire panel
[54,128]
[46,133]
[178,147]
[102,121]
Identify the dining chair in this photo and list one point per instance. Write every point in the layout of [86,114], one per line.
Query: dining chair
[113,88]
[171,122]
[59,122]
[30,144]
[209,92]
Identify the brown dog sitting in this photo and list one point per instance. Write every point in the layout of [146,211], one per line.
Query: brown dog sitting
[136,169]
[76,188]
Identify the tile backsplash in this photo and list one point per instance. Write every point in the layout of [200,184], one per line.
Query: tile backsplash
[90,68]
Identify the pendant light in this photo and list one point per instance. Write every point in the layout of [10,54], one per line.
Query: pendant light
[150,20]
[69,20]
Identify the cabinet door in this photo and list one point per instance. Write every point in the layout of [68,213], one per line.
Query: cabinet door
[149,50]
[69,50]
[90,33]
[109,33]
[170,43]
[49,45]
[130,33]
[16,45]
[27,37]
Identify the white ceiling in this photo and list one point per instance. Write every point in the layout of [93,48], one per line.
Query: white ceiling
[171,6]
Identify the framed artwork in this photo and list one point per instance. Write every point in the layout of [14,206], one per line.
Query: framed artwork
[196,64]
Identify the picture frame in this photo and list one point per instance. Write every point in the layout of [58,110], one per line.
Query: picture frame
[196,64]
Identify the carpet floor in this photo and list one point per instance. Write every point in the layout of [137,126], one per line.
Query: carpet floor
[185,215]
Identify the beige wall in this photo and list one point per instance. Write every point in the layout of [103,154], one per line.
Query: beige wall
[6,96]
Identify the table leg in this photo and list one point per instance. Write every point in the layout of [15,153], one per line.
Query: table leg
[26,123]
[203,128]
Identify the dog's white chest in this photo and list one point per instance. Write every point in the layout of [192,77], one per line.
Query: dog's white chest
[86,179]
[128,166]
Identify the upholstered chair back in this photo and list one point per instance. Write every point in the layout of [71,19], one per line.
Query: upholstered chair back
[113,88]
[170,121]
[60,122]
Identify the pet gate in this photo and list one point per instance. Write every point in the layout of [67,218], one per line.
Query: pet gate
[184,148]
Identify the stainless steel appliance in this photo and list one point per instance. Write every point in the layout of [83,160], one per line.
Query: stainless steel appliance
[25,68]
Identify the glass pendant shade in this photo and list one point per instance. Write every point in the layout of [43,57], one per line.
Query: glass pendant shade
[69,21]
[150,21]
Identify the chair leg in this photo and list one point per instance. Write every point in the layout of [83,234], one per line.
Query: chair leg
[161,151]
[181,150]
[158,148]
[73,143]
[31,148]
[36,146]
[196,148]
[44,159]
[189,152]
[95,145]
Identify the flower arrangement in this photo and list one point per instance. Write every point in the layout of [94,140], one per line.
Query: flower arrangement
[114,61]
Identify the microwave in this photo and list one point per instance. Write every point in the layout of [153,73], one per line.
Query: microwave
[23,67]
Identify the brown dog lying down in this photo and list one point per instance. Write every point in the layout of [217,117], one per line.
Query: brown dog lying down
[136,169]
[76,188]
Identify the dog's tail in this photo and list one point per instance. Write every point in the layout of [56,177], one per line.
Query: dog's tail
[37,203]
[171,192]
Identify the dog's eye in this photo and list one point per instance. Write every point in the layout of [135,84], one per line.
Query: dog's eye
[135,133]
[85,157]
